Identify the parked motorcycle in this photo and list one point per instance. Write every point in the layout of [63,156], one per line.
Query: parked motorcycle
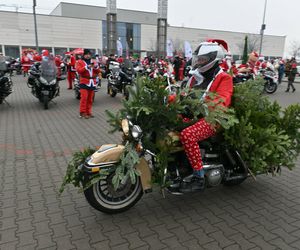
[119,78]
[5,82]
[270,76]
[43,82]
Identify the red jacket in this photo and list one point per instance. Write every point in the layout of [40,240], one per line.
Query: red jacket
[87,75]
[71,64]
[223,87]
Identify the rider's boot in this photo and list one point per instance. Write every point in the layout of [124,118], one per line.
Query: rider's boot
[194,182]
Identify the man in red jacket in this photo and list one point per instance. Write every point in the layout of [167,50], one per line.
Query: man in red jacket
[210,77]
[88,71]
[70,61]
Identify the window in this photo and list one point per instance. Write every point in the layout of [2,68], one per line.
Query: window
[12,51]
[60,51]
[129,34]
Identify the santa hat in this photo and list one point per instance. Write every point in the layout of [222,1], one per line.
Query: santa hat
[219,42]
[45,52]
[254,53]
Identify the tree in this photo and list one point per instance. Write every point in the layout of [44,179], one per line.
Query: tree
[295,48]
[245,52]
[253,43]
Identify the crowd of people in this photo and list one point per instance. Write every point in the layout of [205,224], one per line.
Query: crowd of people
[91,68]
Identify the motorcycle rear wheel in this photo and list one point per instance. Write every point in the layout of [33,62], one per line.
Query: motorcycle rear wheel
[103,197]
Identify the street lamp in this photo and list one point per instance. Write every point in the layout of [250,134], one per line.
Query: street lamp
[263,27]
[35,27]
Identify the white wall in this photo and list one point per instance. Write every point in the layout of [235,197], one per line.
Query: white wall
[53,31]
[272,45]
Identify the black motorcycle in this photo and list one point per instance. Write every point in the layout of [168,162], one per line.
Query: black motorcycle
[5,82]
[119,78]
[44,83]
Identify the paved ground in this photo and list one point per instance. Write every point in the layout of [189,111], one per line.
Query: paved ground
[35,146]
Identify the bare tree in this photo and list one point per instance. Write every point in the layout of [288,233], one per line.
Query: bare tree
[253,43]
[295,48]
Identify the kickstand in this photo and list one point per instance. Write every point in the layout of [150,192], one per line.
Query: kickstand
[251,173]
[54,102]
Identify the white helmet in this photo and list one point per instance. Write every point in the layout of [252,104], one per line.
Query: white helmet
[207,55]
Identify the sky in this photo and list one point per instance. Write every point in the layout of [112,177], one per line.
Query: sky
[231,15]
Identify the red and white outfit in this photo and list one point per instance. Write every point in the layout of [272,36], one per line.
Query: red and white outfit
[71,71]
[87,86]
[222,85]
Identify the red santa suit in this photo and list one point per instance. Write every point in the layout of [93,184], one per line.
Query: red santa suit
[71,71]
[58,62]
[222,86]
[181,70]
[88,84]
[26,64]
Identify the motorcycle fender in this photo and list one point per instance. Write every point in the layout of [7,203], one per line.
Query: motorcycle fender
[111,153]
[108,153]
[145,175]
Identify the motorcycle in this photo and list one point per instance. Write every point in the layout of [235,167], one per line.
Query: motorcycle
[222,165]
[5,82]
[44,82]
[119,78]
[271,79]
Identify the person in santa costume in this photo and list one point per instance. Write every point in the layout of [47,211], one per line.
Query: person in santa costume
[88,71]
[26,63]
[250,66]
[209,76]
[71,71]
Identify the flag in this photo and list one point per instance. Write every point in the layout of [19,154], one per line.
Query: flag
[188,50]
[119,48]
[169,48]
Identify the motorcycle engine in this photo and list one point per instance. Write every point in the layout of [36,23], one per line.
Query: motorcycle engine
[214,177]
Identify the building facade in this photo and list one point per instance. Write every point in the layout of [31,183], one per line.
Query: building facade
[71,26]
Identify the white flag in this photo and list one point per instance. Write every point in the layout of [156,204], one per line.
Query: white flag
[188,50]
[119,48]
[169,48]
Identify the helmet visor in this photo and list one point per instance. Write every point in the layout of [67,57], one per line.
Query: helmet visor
[202,60]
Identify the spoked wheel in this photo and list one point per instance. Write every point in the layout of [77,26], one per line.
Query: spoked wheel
[103,197]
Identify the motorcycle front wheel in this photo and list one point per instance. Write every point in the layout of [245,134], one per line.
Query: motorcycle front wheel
[46,101]
[103,197]
[111,92]
[270,87]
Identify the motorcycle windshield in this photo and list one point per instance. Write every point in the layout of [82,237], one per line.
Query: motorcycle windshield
[128,64]
[48,70]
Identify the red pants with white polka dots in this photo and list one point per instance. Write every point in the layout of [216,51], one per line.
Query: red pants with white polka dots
[190,137]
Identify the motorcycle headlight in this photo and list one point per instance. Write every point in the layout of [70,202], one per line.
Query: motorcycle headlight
[125,127]
[43,80]
[136,132]
[52,82]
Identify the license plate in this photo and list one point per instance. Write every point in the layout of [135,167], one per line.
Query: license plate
[45,92]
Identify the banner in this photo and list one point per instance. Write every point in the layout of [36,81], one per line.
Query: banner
[169,48]
[188,50]
[127,50]
[119,48]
